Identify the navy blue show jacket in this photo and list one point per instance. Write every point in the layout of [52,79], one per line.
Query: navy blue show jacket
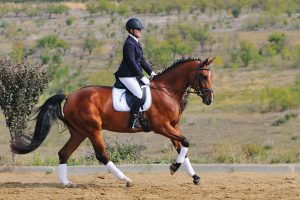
[133,60]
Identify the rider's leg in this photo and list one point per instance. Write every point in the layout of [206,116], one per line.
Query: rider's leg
[134,111]
[133,86]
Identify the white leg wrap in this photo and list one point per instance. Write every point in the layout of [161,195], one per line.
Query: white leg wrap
[188,167]
[113,169]
[62,171]
[181,156]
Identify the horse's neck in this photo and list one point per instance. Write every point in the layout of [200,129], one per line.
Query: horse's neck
[175,80]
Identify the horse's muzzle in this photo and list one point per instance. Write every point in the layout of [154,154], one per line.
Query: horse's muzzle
[208,102]
[207,96]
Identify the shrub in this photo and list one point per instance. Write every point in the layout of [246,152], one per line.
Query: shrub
[252,151]
[17,53]
[21,84]
[279,99]
[51,42]
[236,11]
[2,160]
[278,41]
[284,119]
[296,59]
[119,152]
[70,21]
[45,59]
[56,59]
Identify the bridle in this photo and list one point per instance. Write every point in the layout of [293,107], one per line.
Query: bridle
[200,92]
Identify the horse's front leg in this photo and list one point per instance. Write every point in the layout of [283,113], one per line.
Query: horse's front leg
[186,164]
[181,144]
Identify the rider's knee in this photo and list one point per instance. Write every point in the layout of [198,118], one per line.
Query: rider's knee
[139,94]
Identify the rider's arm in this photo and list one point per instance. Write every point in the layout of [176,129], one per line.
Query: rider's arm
[146,66]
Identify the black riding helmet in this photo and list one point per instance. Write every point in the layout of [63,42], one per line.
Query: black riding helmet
[134,23]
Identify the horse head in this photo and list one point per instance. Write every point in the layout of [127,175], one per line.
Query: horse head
[201,82]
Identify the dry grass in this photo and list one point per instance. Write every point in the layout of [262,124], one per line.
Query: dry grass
[75,6]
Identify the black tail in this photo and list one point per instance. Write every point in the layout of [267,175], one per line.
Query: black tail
[50,111]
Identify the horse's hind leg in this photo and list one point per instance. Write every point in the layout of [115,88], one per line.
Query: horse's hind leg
[102,157]
[64,154]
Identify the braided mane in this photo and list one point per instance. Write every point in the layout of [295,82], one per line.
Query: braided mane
[177,62]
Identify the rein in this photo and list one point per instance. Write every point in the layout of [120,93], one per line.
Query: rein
[175,89]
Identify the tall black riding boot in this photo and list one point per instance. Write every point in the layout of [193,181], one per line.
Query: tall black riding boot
[134,112]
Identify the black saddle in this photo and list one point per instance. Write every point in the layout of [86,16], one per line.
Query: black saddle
[118,84]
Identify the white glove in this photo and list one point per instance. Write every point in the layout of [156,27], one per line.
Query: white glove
[145,80]
[152,75]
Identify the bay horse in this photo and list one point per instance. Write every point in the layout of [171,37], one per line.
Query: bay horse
[89,110]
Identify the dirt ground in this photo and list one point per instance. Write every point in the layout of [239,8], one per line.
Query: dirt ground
[152,186]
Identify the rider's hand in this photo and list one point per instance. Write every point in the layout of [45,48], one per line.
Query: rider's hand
[145,80]
[152,75]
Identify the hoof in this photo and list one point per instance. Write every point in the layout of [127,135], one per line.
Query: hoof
[128,181]
[174,167]
[196,180]
[69,185]
[129,184]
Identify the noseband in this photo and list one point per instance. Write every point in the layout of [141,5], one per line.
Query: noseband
[201,92]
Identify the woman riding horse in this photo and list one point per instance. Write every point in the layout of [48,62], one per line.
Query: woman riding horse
[89,110]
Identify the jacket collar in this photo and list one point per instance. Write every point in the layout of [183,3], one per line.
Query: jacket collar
[134,38]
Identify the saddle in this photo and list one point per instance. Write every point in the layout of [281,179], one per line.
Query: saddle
[122,99]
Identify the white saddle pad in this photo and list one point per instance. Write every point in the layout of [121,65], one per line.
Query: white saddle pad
[119,101]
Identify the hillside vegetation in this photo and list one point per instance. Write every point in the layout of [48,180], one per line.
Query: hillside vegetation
[256,73]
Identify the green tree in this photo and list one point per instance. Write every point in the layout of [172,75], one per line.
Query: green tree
[248,52]
[106,6]
[123,9]
[56,9]
[92,7]
[201,34]
[174,37]
[90,43]
[158,52]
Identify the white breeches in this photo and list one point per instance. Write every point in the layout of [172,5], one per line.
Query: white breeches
[132,85]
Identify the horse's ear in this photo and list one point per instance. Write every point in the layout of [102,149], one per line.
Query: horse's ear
[205,62]
[210,61]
